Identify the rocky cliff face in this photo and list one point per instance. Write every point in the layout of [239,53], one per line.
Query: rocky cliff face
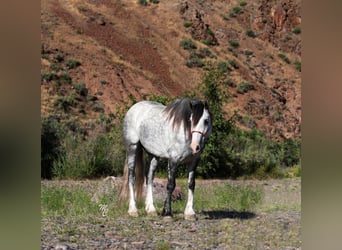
[276,23]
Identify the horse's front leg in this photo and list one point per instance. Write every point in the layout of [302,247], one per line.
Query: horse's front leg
[189,213]
[149,207]
[171,184]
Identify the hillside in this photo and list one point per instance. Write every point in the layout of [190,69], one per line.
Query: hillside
[99,54]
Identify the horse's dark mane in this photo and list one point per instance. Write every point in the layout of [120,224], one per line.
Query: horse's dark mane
[180,110]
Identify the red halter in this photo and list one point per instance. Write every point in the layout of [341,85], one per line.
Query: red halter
[196,131]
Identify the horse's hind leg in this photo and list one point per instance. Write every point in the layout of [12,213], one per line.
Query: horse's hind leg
[149,207]
[171,184]
[131,157]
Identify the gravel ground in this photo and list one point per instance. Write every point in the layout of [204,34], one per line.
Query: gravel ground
[275,224]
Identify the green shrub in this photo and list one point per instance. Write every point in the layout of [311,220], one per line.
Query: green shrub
[187,24]
[81,89]
[48,76]
[298,66]
[59,58]
[234,64]
[223,67]
[195,60]
[50,145]
[284,58]
[234,44]
[99,155]
[244,87]
[142,2]
[237,10]
[64,78]
[243,3]
[65,102]
[159,98]
[187,44]
[205,52]
[250,33]
[297,30]
[72,63]
[248,53]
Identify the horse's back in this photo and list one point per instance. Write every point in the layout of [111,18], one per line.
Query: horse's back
[136,115]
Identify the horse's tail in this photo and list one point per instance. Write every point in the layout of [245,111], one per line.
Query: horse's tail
[139,176]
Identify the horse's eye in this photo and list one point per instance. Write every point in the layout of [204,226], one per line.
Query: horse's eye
[206,122]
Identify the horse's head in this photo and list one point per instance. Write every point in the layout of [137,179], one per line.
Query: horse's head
[201,125]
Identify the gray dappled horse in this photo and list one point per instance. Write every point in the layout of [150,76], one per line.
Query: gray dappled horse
[176,132]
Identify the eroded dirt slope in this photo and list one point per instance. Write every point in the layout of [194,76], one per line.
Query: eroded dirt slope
[127,49]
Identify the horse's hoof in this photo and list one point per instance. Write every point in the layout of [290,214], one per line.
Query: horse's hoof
[168,218]
[152,214]
[191,217]
[133,214]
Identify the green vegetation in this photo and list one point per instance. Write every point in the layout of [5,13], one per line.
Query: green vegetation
[237,10]
[72,63]
[187,44]
[234,44]
[250,33]
[244,87]
[74,149]
[298,66]
[75,202]
[297,30]
[187,24]
[142,2]
[284,58]
[243,3]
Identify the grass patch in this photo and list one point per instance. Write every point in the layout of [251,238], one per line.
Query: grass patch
[219,197]
[66,202]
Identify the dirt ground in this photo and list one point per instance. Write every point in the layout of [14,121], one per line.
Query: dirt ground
[275,224]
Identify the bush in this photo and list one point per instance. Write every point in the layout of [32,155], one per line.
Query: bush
[250,33]
[187,44]
[297,30]
[142,2]
[81,89]
[234,44]
[48,76]
[298,66]
[72,63]
[244,87]
[243,3]
[223,67]
[187,24]
[65,102]
[284,58]
[64,78]
[50,145]
[99,155]
[237,10]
